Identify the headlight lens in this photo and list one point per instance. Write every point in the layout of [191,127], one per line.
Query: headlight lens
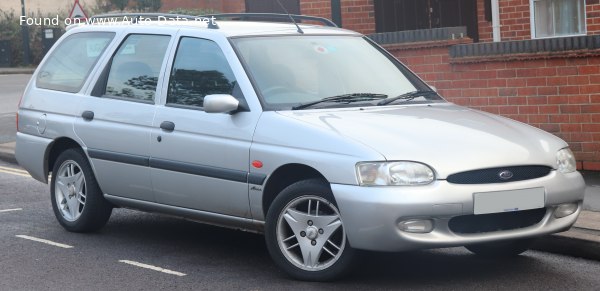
[565,161]
[394,174]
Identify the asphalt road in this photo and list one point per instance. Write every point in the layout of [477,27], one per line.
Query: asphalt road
[215,258]
[11,89]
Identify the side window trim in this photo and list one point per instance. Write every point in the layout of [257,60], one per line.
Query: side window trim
[90,83]
[181,106]
[100,86]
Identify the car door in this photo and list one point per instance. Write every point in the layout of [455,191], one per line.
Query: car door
[116,119]
[199,160]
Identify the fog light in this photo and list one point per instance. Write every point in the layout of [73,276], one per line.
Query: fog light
[565,209]
[416,225]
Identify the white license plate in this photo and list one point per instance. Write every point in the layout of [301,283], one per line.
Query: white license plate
[506,201]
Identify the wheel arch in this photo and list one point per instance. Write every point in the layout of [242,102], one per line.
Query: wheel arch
[284,176]
[58,146]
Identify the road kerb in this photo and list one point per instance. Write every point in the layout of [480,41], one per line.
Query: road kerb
[575,242]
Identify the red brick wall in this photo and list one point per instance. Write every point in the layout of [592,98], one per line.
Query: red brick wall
[559,95]
[515,19]
[515,23]
[592,9]
[228,6]
[484,26]
[320,8]
[358,15]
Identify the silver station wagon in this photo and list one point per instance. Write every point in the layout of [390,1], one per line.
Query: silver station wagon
[313,135]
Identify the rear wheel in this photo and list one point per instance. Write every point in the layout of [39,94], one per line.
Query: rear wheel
[305,233]
[510,248]
[77,200]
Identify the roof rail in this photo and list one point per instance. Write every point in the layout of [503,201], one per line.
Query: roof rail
[135,17]
[270,17]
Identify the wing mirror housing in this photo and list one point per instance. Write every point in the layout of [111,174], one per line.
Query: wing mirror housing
[220,103]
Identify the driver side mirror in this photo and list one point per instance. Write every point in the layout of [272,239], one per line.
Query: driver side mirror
[220,103]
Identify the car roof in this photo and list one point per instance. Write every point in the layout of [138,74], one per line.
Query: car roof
[232,28]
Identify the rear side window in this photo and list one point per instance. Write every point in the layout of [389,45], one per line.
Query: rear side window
[72,61]
[135,67]
[200,68]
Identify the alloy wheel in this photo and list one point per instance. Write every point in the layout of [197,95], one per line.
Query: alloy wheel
[310,233]
[70,189]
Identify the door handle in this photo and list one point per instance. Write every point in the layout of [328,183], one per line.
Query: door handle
[167,125]
[88,115]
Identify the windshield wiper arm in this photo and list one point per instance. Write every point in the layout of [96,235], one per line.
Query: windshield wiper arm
[353,97]
[407,96]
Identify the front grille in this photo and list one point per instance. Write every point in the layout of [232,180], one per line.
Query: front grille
[496,221]
[492,175]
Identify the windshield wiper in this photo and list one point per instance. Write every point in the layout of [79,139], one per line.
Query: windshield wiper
[407,96]
[349,98]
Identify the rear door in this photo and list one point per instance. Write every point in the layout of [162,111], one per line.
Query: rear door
[203,163]
[116,120]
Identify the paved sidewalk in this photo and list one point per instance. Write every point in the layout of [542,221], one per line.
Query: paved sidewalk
[582,240]
[7,152]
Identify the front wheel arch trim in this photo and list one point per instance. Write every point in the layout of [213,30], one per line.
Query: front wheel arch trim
[284,176]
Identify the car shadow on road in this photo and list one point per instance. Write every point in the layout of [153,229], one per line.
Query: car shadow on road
[203,250]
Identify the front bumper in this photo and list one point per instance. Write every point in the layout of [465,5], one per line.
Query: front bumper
[371,214]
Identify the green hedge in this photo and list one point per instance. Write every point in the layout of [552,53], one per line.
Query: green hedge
[11,30]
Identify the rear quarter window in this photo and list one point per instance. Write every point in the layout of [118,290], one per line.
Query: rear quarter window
[69,65]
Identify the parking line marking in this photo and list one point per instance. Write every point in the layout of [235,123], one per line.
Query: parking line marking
[45,241]
[154,268]
[13,209]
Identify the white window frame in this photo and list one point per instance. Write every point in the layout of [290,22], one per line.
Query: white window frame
[532,22]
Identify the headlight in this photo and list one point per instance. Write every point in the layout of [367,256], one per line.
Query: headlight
[393,173]
[565,161]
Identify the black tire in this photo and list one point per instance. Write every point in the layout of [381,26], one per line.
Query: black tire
[95,211]
[334,266]
[502,249]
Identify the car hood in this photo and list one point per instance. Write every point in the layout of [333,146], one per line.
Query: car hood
[447,137]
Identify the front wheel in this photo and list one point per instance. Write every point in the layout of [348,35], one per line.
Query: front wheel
[305,233]
[510,248]
[77,200]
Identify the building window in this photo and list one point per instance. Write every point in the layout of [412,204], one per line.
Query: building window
[403,15]
[553,18]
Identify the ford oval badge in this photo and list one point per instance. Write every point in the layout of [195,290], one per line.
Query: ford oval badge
[505,175]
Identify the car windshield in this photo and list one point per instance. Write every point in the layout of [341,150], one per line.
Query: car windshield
[297,72]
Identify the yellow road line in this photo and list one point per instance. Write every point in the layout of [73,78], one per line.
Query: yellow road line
[13,170]
[14,173]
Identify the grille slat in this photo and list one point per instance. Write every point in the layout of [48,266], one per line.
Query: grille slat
[496,221]
[492,175]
